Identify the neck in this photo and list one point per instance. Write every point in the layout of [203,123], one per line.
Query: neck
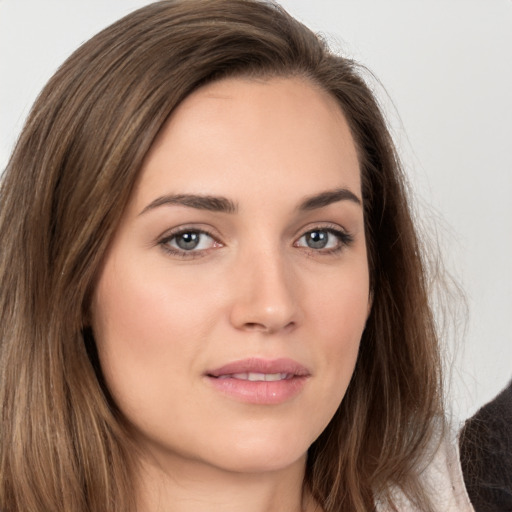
[195,487]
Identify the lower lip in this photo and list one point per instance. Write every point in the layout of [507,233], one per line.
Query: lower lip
[259,392]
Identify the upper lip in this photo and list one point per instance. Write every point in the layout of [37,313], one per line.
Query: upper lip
[257,365]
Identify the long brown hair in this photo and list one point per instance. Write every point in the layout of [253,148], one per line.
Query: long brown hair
[63,444]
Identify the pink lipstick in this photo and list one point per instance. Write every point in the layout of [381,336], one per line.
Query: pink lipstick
[260,381]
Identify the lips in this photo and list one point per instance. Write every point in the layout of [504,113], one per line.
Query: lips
[260,381]
[257,377]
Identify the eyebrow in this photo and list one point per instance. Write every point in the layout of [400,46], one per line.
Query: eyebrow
[200,202]
[225,205]
[328,197]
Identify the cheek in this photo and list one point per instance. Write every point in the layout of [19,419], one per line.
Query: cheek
[335,347]
[339,304]
[144,310]
[147,332]
[340,318]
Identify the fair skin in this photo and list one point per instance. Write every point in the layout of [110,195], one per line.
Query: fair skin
[231,303]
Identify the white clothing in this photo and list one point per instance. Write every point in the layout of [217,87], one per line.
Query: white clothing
[443,482]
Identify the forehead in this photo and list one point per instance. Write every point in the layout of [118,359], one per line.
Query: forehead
[239,137]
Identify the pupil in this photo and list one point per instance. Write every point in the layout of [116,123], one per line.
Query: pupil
[187,241]
[317,239]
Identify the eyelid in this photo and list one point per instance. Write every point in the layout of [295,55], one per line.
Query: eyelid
[323,226]
[345,237]
[183,228]
[164,239]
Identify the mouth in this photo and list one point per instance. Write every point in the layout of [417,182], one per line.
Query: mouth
[257,377]
[259,381]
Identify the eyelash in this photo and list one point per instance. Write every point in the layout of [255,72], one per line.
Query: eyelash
[183,253]
[345,239]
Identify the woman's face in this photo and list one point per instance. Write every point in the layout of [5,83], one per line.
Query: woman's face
[231,303]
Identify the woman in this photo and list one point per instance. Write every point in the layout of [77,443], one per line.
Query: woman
[213,296]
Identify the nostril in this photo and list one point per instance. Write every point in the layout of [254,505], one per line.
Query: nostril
[262,327]
[255,326]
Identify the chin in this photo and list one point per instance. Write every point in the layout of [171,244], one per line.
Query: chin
[260,456]
[263,463]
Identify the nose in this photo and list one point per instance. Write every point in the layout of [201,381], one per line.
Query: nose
[265,294]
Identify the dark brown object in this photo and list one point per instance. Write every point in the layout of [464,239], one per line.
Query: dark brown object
[486,455]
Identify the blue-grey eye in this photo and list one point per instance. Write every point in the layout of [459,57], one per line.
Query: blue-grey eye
[187,241]
[319,239]
[190,241]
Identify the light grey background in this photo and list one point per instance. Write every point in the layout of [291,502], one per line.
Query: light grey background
[446,72]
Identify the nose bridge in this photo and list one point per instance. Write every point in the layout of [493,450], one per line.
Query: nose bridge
[265,297]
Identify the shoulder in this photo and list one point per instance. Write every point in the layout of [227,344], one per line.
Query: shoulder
[486,454]
[442,480]
[445,481]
